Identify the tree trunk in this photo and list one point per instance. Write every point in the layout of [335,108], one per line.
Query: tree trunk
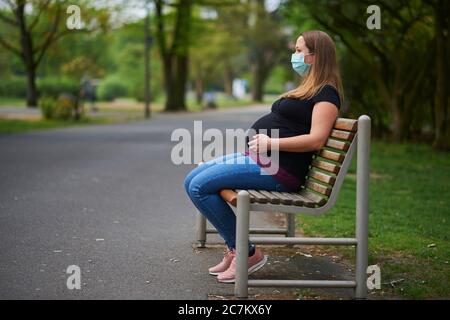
[199,89]
[32,96]
[168,56]
[398,122]
[178,58]
[398,107]
[177,91]
[258,81]
[228,81]
[441,104]
[402,121]
[27,55]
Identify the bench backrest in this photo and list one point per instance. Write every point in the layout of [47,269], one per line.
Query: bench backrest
[330,164]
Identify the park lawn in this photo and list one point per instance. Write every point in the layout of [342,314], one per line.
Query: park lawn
[409,224]
[8,126]
[130,104]
[222,101]
[12,102]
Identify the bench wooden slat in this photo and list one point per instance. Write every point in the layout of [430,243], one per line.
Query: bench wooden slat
[313,197]
[338,157]
[260,198]
[299,200]
[339,145]
[324,165]
[272,198]
[295,200]
[325,178]
[346,124]
[306,202]
[318,187]
[344,135]
[304,198]
[283,199]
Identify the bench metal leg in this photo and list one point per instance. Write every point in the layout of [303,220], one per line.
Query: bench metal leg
[362,206]
[242,227]
[201,230]
[290,227]
[201,226]
[290,219]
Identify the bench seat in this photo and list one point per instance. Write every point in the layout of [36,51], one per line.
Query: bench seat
[304,198]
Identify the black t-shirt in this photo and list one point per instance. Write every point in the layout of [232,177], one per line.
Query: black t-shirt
[292,117]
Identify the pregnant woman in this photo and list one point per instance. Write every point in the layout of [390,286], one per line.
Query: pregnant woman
[303,117]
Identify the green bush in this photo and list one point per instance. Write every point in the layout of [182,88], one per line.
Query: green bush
[16,87]
[55,86]
[13,87]
[46,105]
[111,88]
[63,108]
[137,91]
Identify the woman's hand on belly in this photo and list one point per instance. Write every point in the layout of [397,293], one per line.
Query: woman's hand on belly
[260,143]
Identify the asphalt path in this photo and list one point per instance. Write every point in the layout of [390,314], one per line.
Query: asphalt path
[109,200]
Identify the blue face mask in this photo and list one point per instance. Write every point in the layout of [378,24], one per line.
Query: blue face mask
[298,63]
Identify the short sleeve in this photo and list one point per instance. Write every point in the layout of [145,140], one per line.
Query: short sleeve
[328,94]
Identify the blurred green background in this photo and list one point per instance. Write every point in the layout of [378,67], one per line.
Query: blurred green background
[399,74]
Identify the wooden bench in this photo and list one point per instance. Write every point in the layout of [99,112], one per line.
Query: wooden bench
[319,194]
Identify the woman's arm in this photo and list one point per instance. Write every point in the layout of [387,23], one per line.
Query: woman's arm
[323,118]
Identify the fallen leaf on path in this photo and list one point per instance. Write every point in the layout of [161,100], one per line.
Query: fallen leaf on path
[304,254]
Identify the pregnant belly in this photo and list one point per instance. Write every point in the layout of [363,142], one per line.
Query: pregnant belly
[275,121]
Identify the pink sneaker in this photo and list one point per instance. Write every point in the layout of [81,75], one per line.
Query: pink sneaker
[255,262]
[224,265]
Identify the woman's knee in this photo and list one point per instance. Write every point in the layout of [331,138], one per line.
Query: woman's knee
[187,181]
[199,186]
[194,188]
[186,184]
[195,172]
[197,180]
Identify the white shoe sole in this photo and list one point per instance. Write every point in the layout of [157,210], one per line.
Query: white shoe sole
[251,270]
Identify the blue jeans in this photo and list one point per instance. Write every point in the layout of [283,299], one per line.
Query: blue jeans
[204,183]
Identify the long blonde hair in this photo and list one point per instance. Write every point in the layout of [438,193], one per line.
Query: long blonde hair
[323,71]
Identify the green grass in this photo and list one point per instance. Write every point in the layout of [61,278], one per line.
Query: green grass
[12,102]
[8,126]
[223,101]
[409,225]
